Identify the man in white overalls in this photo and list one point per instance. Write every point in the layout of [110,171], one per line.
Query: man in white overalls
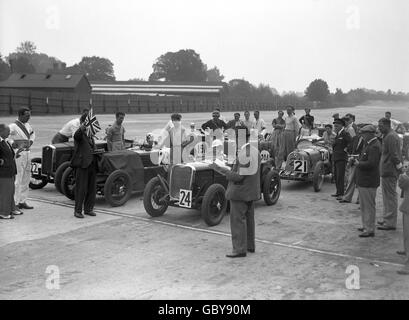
[22,137]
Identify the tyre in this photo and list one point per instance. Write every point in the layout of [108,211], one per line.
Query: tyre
[214,204]
[118,188]
[271,187]
[37,181]
[318,176]
[58,175]
[152,194]
[68,183]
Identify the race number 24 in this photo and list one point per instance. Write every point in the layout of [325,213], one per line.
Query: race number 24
[300,166]
[185,198]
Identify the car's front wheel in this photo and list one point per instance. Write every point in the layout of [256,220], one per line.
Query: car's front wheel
[154,198]
[318,176]
[118,188]
[58,175]
[271,187]
[68,183]
[214,204]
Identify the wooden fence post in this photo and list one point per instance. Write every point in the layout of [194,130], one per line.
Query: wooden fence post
[10,104]
[62,105]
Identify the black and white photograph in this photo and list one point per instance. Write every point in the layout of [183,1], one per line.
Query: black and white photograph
[217,152]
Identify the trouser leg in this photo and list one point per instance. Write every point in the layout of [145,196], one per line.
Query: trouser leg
[340,176]
[25,179]
[390,201]
[368,208]
[406,236]
[251,233]
[81,183]
[91,189]
[349,192]
[238,210]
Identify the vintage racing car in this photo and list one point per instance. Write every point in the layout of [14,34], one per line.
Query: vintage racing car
[310,161]
[55,159]
[196,186]
[120,173]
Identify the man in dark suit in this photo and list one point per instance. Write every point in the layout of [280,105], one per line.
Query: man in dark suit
[242,190]
[85,164]
[340,156]
[8,171]
[215,123]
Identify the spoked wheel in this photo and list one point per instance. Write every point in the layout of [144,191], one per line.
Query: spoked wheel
[37,181]
[214,204]
[118,188]
[319,176]
[154,198]
[271,187]
[68,183]
[58,175]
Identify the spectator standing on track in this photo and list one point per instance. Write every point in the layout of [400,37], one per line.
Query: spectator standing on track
[277,137]
[307,119]
[292,127]
[116,133]
[259,124]
[391,166]
[236,122]
[22,137]
[247,122]
[340,156]
[8,171]
[404,208]
[368,179]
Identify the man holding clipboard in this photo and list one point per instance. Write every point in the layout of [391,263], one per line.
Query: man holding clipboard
[22,137]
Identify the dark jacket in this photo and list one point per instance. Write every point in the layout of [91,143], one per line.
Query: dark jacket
[214,124]
[83,150]
[357,145]
[8,169]
[341,143]
[367,171]
[391,155]
[233,124]
[308,120]
[243,187]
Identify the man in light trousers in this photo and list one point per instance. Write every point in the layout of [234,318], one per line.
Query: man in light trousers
[22,137]
[390,167]
[368,179]
[404,208]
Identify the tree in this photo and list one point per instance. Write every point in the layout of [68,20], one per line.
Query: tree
[4,69]
[240,88]
[184,65]
[317,90]
[21,64]
[213,75]
[339,95]
[26,47]
[96,68]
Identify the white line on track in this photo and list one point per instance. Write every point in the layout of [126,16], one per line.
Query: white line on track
[225,234]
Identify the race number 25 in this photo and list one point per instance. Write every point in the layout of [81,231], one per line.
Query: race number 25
[300,166]
[185,198]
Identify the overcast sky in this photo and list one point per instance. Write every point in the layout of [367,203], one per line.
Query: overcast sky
[286,44]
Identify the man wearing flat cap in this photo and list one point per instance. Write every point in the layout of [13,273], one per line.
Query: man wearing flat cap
[368,179]
[340,156]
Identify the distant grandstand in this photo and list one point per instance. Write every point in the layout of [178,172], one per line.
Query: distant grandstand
[158,88]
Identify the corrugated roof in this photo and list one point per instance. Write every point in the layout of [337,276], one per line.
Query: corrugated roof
[40,80]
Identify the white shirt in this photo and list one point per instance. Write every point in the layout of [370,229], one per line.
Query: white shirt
[259,124]
[17,134]
[70,127]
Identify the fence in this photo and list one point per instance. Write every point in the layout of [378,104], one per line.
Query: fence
[70,103]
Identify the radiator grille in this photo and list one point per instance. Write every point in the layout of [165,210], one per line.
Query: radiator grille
[180,179]
[47,160]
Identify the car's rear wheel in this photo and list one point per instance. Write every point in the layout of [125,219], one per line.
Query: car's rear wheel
[318,176]
[58,175]
[152,196]
[36,180]
[118,188]
[214,204]
[271,187]
[68,183]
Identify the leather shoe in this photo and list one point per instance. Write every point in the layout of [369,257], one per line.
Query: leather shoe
[9,217]
[17,213]
[381,223]
[339,198]
[344,201]
[92,213]
[24,205]
[386,228]
[361,229]
[236,255]
[251,250]
[404,272]
[335,195]
[367,234]
[401,252]
[79,215]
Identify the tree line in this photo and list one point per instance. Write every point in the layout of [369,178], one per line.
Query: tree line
[186,65]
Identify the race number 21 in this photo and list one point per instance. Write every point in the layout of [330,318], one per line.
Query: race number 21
[300,166]
[185,198]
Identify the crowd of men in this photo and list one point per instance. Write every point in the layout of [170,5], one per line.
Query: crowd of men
[372,156]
